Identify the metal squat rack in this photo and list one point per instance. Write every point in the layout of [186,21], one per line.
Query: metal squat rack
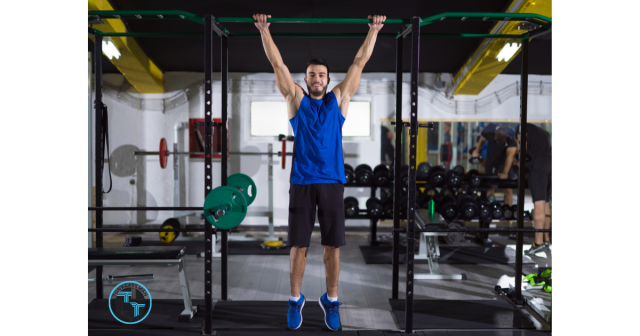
[412,26]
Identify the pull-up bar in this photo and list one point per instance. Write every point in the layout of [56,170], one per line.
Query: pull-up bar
[315,35]
[464,16]
[310,20]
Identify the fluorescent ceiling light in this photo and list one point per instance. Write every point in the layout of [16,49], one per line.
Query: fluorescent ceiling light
[508,51]
[110,49]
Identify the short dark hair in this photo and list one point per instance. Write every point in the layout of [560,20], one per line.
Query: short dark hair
[501,133]
[317,61]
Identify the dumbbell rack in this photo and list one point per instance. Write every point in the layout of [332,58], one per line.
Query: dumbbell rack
[362,214]
[486,184]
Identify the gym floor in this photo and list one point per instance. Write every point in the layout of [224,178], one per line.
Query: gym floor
[364,289]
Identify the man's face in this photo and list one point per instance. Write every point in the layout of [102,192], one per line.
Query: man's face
[499,138]
[317,80]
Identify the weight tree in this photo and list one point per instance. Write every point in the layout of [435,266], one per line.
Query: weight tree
[213,25]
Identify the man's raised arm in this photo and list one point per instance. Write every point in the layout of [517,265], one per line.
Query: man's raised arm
[346,89]
[283,77]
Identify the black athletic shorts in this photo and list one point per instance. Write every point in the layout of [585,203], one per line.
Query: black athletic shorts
[303,200]
[539,180]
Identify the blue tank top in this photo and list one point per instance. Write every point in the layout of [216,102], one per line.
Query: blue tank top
[317,128]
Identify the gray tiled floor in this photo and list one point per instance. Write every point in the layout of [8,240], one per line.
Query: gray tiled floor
[363,289]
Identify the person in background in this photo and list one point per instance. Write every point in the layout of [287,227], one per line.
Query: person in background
[538,148]
[387,154]
[445,149]
[501,148]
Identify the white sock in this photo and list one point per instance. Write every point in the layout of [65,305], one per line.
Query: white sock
[293,298]
[332,299]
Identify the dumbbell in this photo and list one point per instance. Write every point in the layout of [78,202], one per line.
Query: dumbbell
[375,209]
[453,179]
[351,206]
[473,176]
[485,211]
[348,174]
[463,193]
[423,171]
[468,207]
[506,211]
[491,198]
[448,208]
[381,175]
[496,210]
[476,160]
[459,170]
[448,192]
[431,191]
[514,211]
[473,191]
[364,175]
[437,176]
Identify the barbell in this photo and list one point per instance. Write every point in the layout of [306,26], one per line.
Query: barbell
[164,153]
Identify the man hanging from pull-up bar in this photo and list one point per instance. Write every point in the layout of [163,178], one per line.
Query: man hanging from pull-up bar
[317,172]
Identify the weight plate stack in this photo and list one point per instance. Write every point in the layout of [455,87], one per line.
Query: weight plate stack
[348,174]
[375,208]
[351,207]
[363,175]
[245,185]
[225,207]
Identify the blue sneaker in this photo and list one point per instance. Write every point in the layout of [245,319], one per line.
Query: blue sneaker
[294,316]
[331,312]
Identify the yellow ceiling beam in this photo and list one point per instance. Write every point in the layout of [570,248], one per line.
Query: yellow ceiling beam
[133,63]
[484,66]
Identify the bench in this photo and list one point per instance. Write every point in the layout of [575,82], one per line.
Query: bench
[430,249]
[150,256]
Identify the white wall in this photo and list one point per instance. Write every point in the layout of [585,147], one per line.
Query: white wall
[144,129]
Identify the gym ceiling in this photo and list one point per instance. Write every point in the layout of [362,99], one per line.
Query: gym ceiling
[437,55]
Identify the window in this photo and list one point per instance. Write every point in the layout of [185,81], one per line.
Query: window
[358,123]
[269,118]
